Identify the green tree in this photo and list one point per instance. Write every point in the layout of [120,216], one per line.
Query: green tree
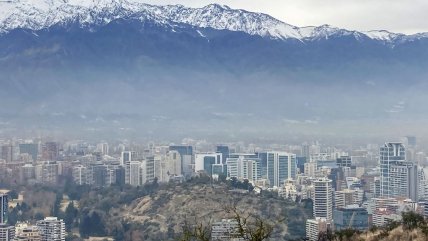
[412,220]
[71,214]
[13,216]
[39,216]
[327,235]
[13,194]
[56,210]
[222,178]
[346,234]
[92,224]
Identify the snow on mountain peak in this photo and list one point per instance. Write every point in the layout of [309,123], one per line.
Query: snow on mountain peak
[382,35]
[40,14]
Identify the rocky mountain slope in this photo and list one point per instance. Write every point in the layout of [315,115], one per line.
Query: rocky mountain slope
[169,209]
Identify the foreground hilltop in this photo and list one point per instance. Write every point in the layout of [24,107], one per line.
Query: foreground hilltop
[172,207]
[161,216]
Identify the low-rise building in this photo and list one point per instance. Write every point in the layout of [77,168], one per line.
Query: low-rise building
[51,229]
[353,217]
[225,230]
[7,233]
[27,232]
[315,226]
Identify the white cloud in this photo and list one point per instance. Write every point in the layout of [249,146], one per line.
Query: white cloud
[292,121]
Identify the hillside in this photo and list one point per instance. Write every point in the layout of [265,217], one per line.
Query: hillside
[396,234]
[162,215]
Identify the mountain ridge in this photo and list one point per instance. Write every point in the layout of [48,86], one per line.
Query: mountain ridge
[41,14]
[159,69]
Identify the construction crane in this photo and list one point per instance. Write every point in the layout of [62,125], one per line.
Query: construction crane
[352,219]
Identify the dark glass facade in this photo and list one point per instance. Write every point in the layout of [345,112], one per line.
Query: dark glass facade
[354,218]
[30,149]
[224,150]
[4,205]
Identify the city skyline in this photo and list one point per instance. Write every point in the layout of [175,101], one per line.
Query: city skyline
[349,186]
[131,120]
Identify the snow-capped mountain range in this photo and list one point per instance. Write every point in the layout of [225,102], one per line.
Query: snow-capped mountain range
[42,14]
[164,69]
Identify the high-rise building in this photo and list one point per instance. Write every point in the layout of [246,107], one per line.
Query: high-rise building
[7,153]
[7,233]
[47,172]
[80,175]
[224,150]
[51,229]
[4,207]
[148,169]
[188,165]
[399,178]
[50,151]
[345,197]
[310,169]
[244,166]
[173,163]
[169,165]
[183,150]
[127,156]
[415,182]
[186,154]
[206,161]
[425,209]
[120,175]
[301,161]
[99,173]
[423,184]
[375,187]
[306,151]
[110,175]
[103,148]
[280,167]
[391,155]
[404,180]
[323,198]
[135,173]
[344,161]
[27,172]
[30,149]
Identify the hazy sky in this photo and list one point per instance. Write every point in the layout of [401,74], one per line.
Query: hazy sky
[407,16]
